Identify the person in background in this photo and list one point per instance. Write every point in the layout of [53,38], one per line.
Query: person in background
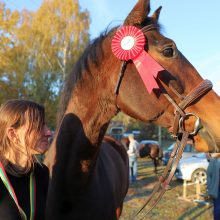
[23,179]
[213,182]
[133,153]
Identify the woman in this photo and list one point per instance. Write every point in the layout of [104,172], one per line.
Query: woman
[23,180]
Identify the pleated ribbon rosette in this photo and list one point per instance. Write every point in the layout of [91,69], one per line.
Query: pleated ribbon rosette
[128,44]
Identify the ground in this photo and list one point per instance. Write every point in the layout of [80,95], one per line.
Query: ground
[171,207]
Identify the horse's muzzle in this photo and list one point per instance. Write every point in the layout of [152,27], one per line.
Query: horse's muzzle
[213,146]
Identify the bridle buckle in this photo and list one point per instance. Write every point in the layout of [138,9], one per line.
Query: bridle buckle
[197,124]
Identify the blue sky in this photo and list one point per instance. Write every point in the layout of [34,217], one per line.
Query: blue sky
[192,24]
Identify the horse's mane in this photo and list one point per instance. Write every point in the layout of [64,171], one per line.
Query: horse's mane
[92,54]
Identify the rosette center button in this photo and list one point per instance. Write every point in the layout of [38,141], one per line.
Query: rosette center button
[127,43]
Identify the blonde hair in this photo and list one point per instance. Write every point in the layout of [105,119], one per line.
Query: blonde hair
[16,113]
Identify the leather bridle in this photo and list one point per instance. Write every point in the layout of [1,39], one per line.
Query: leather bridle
[181,135]
[179,132]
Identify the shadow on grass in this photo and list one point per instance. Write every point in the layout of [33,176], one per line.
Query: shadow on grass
[190,214]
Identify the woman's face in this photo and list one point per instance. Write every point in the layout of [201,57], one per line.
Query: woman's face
[42,143]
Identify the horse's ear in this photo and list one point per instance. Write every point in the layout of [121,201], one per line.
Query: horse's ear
[156,14]
[139,13]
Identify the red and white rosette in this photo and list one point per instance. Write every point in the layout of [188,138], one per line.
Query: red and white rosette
[128,44]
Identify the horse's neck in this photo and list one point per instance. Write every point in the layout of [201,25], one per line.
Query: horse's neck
[82,129]
[93,113]
[92,105]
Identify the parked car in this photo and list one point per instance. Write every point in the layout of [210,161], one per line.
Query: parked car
[189,150]
[149,142]
[117,132]
[193,168]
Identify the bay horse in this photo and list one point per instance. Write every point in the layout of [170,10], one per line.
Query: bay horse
[152,150]
[88,177]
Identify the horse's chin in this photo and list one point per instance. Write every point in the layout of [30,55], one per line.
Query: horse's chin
[204,142]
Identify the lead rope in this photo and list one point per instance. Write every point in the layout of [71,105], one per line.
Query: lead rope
[32,196]
[11,191]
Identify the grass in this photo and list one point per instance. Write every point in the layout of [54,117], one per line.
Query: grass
[171,206]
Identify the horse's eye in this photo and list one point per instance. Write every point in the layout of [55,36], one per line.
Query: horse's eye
[168,52]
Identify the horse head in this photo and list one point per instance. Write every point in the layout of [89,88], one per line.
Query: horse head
[178,79]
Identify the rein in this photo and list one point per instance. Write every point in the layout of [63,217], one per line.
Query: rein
[179,133]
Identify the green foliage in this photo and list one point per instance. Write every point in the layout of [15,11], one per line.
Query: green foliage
[38,50]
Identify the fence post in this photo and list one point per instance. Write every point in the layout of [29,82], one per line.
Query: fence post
[184,189]
[198,190]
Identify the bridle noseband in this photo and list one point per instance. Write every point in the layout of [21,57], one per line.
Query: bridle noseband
[180,115]
[179,132]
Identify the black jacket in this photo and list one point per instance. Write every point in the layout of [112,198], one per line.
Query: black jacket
[8,208]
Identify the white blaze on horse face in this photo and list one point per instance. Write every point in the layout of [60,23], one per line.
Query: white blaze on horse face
[127,43]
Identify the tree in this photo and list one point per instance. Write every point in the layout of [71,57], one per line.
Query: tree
[8,23]
[39,49]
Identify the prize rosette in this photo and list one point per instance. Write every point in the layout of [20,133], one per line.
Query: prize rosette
[128,44]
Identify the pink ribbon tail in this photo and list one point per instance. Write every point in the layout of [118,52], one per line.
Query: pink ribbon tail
[148,69]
